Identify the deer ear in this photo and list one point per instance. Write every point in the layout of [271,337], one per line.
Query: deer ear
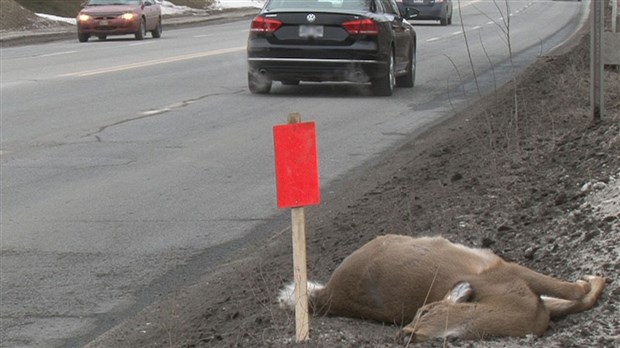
[461,292]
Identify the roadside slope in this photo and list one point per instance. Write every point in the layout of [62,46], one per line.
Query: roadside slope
[524,172]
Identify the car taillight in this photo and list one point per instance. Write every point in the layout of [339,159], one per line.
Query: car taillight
[361,27]
[265,25]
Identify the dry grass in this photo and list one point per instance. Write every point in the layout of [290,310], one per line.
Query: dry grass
[200,4]
[14,17]
[63,8]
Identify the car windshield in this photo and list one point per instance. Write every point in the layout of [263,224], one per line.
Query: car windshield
[113,2]
[361,5]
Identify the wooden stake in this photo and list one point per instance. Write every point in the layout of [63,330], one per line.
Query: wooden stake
[298,226]
[302,320]
[597,73]
[294,117]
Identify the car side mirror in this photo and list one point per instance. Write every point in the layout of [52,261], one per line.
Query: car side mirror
[411,13]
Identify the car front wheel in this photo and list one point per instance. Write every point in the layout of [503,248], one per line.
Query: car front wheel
[384,86]
[157,32]
[141,31]
[83,37]
[408,80]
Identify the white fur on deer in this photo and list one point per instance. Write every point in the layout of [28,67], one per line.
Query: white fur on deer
[440,289]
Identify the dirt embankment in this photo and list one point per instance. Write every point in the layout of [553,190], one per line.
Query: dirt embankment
[525,172]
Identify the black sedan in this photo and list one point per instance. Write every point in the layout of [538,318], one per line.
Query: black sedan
[331,40]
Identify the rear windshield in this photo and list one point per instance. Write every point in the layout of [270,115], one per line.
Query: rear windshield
[360,5]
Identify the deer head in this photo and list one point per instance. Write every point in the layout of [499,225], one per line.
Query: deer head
[447,318]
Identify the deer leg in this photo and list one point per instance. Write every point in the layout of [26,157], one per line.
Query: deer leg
[549,286]
[559,307]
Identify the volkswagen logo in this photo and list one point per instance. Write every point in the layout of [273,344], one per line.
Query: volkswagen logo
[311,18]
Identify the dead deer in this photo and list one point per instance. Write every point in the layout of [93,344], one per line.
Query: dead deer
[441,289]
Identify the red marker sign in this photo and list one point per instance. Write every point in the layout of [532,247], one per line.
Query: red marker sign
[297,169]
[297,182]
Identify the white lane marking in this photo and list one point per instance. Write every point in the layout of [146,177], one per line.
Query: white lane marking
[432,39]
[464,4]
[142,43]
[56,54]
[153,62]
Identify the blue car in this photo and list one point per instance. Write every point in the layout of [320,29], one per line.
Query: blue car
[438,10]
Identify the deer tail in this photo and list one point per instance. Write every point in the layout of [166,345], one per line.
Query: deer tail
[286,297]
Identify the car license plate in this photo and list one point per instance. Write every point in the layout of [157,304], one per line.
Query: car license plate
[103,23]
[418,1]
[311,31]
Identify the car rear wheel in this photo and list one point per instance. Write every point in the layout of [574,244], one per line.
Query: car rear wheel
[83,37]
[290,82]
[141,33]
[408,80]
[258,84]
[444,20]
[384,86]
[157,32]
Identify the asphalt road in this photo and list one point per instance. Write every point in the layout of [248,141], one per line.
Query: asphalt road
[129,167]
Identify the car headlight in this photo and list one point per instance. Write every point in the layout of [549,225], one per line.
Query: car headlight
[84,17]
[128,16]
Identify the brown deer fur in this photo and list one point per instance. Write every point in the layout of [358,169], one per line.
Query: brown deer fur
[455,291]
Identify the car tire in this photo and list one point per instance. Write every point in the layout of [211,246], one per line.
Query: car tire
[141,33]
[258,84]
[384,86]
[408,80]
[83,37]
[450,18]
[290,82]
[444,20]
[102,37]
[157,32]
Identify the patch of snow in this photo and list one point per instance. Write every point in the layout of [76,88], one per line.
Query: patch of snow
[56,18]
[169,8]
[606,197]
[222,4]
